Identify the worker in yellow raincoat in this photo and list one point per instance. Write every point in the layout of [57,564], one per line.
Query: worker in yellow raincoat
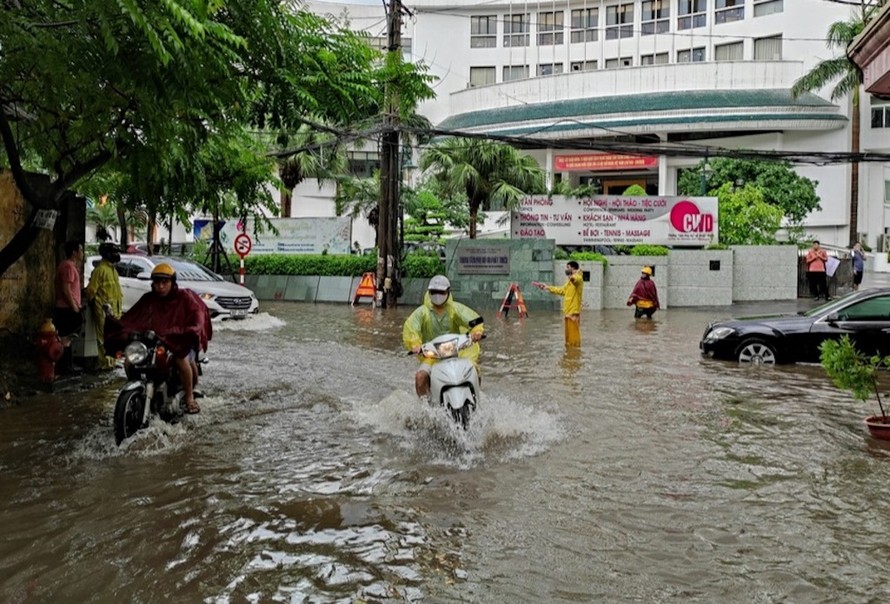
[571,294]
[440,314]
[105,288]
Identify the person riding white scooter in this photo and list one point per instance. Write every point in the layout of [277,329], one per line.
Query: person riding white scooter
[438,315]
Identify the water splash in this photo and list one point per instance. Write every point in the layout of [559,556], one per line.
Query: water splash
[258,322]
[501,429]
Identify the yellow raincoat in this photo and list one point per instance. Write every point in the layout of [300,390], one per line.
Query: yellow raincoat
[571,293]
[104,288]
[425,323]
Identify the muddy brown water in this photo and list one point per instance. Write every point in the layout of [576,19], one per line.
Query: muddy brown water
[629,471]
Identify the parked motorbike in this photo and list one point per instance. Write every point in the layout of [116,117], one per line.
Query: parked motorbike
[153,386]
[454,381]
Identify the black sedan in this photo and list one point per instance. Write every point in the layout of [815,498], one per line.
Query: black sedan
[767,340]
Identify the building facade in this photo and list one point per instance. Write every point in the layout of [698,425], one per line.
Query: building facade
[685,72]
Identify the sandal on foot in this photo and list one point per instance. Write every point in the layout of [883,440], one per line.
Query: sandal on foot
[191,407]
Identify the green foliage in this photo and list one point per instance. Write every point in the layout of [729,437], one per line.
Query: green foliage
[635,191]
[745,218]
[423,266]
[169,93]
[428,212]
[588,257]
[335,265]
[717,246]
[622,249]
[560,254]
[850,369]
[778,183]
[564,188]
[645,249]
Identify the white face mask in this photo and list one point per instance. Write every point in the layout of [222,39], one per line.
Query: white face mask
[438,299]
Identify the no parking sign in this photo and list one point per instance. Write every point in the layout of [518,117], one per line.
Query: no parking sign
[242,244]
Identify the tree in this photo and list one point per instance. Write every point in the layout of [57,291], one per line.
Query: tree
[779,184]
[486,172]
[745,218]
[849,81]
[428,213]
[145,85]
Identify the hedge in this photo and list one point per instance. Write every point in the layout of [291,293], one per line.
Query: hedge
[334,265]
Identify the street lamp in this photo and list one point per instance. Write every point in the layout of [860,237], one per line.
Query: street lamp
[705,177]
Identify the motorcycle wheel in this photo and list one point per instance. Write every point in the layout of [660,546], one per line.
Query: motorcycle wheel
[128,414]
[462,416]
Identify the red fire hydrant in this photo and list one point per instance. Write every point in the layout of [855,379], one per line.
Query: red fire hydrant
[49,350]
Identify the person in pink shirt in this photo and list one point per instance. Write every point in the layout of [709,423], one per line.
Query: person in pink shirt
[67,316]
[815,259]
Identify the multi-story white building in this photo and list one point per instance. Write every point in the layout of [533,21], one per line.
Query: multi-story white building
[692,72]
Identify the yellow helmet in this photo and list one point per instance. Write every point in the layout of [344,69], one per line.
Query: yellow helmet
[163,271]
[647,270]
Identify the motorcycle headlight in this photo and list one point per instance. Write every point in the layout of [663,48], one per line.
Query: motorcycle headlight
[447,349]
[718,333]
[136,352]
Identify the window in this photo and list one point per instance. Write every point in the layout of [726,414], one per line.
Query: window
[619,21]
[618,63]
[363,163]
[768,49]
[692,13]
[550,28]
[768,7]
[887,191]
[549,68]
[583,65]
[880,113]
[696,55]
[516,30]
[480,76]
[584,22]
[484,31]
[515,72]
[729,52]
[728,10]
[660,58]
[655,17]
[873,309]
[381,43]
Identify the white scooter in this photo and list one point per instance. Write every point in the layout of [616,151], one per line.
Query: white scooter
[454,381]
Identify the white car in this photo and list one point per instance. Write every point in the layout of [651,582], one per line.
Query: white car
[223,298]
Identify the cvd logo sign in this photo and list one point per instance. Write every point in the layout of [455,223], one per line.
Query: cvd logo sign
[687,218]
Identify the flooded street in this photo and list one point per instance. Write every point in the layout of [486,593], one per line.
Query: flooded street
[631,470]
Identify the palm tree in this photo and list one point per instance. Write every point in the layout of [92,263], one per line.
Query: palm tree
[849,81]
[487,172]
[103,214]
[319,155]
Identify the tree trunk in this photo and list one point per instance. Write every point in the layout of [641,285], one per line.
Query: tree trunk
[20,242]
[286,198]
[854,171]
[474,213]
[122,221]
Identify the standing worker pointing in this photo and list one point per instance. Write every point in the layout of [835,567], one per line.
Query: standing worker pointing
[571,301]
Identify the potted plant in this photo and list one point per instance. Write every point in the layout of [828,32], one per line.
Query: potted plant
[850,369]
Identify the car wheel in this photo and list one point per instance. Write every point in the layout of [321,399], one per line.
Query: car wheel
[757,352]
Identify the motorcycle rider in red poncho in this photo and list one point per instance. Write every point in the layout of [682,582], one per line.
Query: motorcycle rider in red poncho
[180,319]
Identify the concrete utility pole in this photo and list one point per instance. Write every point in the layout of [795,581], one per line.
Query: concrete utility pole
[388,209]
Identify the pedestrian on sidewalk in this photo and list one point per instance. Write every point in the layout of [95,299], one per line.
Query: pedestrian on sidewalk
[858,265]
[67,313]
[815,259]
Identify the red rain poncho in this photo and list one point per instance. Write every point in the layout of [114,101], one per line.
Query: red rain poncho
[180,319]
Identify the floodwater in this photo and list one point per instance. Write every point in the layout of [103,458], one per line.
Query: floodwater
[629,471]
